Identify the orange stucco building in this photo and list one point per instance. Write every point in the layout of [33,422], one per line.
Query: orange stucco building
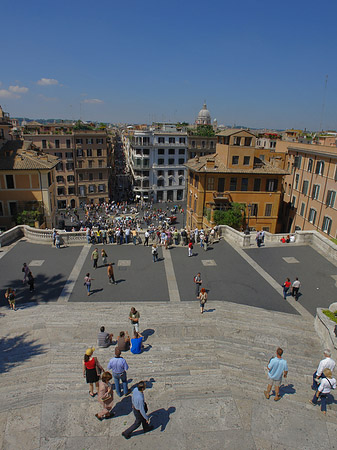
[235,173]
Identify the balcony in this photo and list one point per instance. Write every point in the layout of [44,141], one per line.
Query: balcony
[222,196]
[169,144]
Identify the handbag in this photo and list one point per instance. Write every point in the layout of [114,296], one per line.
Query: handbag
[99,368]
[106,397]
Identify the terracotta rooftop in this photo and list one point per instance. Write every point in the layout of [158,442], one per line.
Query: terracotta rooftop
[199,164]
[22,155]
[231,131]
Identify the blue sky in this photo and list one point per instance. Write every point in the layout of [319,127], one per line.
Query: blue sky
[257,63]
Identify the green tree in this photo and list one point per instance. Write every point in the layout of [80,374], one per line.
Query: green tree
[232,217]
[204,130]
[29,218]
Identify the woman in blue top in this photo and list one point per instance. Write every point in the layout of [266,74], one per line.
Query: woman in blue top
[136,343]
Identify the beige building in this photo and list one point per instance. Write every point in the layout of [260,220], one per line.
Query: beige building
[27,182]
[84,168]
[310,189]
[234,174]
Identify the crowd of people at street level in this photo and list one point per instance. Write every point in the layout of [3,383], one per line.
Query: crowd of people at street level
[117,368]
[323,381]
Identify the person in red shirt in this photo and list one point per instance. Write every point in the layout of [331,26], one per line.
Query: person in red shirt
[286,285]
[283,240]
[190,248]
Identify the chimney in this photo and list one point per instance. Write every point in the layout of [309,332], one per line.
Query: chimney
[210,163]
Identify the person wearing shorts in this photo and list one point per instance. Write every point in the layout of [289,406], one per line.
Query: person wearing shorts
[277,368]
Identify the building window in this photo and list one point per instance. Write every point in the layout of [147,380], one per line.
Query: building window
[257,184]
[89,152]
[298,162]
[71,190]
[146,151]
[60,191]
[330,198]
[254,209]
[99,152]
[1,210]
[237,140]
[10,181]
[181,181]
[289,189]
[271,185]
[196,181]
[315,191]
[268,210]
[59,167]
[246,160]
[248,141]
[79,164]
[82,191]
[91,188]
[44,143]
[160,161]
[91,176]
[59,179]
[221,184]
[100,176]
[80,177]
[70,178]
[182,140]
[233,183]
[90,163]
[181,161]
[160,183]
[310,163]
[203,144]
[79,141]
[319,168]
[212,144]
[13,210]
[210,183]
[68,143]
[171,161]
[99,141]
[181,172]
[195,205]
[57,143]
[297,177]
[305,187]
[170,181]
[326,226]
[100,163]
[58,154]
[161,140]
[172,151]
[161,151]
[193,144]
[235,160]
[70,166]
[101,188]
[69,155]
[312,215]
[160,173]
[293,202]
[171,173]
[302,209]
[181,151]
[336,173]
[244,184]
[79,152]
[172,140]
[90,141]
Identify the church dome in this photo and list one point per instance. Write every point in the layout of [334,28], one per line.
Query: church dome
[204,116]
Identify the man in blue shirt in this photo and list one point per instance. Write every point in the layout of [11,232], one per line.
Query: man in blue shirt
[136,343]
[277,367]
[119,366]
[139,410]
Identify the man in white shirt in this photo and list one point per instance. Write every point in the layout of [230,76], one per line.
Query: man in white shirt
[326,363]
[295,288]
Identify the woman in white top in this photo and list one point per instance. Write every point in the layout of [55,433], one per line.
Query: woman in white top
[324,388]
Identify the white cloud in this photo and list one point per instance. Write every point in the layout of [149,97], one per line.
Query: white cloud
[47,82]
[4,93]
[92,100]
[18,89]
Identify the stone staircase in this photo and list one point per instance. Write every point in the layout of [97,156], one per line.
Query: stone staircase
[210,369]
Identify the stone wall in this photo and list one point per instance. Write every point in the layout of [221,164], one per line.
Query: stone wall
[12,235]
[325,329]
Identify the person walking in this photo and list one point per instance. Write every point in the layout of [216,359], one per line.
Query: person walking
[111,275]
[190,248]
[87,282]
[134,317]
[154,252]
[203,299]
[10,297]
[94,258]
[277,367]
[119,366]
[258,239]
[31,282]
[139,410]
[327,383]
[295,288]
[326,363]
[286,285]
[25,269]
[146,238]
[91,370]
[105,397]
[104,257]
[198,282]
[57,240]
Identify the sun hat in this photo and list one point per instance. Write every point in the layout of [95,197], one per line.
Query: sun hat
[90,351]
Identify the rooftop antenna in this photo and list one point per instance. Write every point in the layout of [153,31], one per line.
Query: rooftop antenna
[323,104]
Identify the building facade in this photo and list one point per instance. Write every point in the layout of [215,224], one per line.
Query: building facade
[310,189]
[234,174]
[84,167]
[156,159]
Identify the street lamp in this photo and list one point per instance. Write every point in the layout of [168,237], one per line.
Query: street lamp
[249,209]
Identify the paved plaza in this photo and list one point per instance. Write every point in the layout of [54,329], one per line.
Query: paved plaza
[205,374]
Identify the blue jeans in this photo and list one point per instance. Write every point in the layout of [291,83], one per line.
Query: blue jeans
[134,240]
[88,238]
[323,398]
[285,292]
[111,239]
[122,377]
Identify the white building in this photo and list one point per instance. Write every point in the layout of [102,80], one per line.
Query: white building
[156,159]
